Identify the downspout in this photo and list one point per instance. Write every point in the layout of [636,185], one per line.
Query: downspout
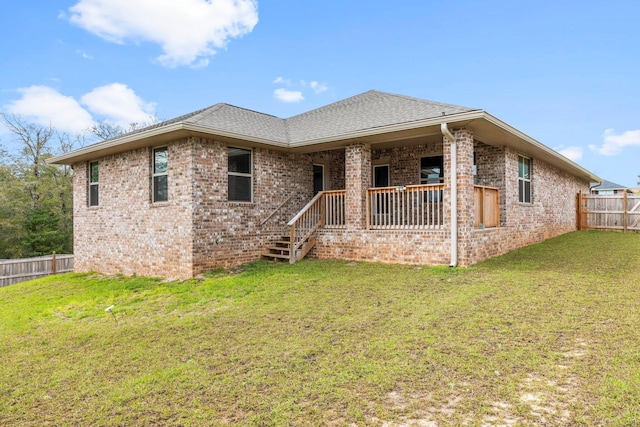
[454,194]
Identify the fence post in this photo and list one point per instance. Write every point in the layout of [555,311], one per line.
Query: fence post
[54,269]
[579,211]
[624,212]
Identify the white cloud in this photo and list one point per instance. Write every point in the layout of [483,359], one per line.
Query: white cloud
[119,104]
[188,31]
[84,54]
[318,87]
[282,80]
[285,95]
[115,103]
[572,153]
[613,144]
[46,106]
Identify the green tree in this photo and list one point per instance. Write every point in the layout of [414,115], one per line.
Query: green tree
[14,204]
[36,205]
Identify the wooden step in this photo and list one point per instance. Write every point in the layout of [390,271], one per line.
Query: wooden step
[279,250]
[275,256]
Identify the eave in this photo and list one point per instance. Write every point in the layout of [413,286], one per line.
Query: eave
[486,128]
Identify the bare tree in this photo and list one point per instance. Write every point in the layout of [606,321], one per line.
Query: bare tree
[107,130]
[35,146]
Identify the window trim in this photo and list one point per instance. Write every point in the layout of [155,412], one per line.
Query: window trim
[524,180]
[241,174]
[154,174]
[95,184]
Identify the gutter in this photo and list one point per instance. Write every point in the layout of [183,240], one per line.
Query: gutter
[454,194]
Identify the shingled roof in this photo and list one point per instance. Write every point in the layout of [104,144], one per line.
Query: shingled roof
[369,110]
[372,109]
[372,117]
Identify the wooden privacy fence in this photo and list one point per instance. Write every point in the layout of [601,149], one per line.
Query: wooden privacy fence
[620,212]
[19,270]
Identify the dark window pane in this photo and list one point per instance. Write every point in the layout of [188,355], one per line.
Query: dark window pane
[431,170]
[381,176]
[527,191]
[318,179]
[239,188]
[93,173]
[160,161]
[239,160]
[160,189]
[93,195]
[520,190]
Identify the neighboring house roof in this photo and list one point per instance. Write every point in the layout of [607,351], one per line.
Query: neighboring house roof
[373,117]
[607,185]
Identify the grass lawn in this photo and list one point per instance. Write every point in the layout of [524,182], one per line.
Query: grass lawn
[545,335]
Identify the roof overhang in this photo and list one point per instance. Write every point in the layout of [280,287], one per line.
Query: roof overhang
[485,127]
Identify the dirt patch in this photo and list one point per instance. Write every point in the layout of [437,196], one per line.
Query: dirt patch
[541,401]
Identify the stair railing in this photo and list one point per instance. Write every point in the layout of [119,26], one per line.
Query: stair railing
[304,225]
[275,210]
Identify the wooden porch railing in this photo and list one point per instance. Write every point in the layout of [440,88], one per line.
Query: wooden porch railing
[487,206]
[326,209]
[334,208]
[405,207]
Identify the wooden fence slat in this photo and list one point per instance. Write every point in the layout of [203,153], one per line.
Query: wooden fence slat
[18,270]
[608,212]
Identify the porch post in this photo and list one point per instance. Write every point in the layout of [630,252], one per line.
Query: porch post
[357,179]
[465,200]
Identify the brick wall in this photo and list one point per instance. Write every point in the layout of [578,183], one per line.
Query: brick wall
[198,229]
[404,162]
[127,233]
[230,233]
[393,246]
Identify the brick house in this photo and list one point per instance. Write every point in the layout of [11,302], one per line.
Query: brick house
[366,178]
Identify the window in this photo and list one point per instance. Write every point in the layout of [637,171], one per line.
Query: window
[240,178]
[524,179]
[160,178]
[93,184]
[381,176]
[431,170]
[318,179]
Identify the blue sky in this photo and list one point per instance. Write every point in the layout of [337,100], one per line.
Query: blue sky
[564,72]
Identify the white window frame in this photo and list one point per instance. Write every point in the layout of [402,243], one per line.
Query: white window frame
[524,180]
[154,174]
[241,174]
[95,184]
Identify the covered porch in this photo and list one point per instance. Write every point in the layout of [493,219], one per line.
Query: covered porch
[421,203]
